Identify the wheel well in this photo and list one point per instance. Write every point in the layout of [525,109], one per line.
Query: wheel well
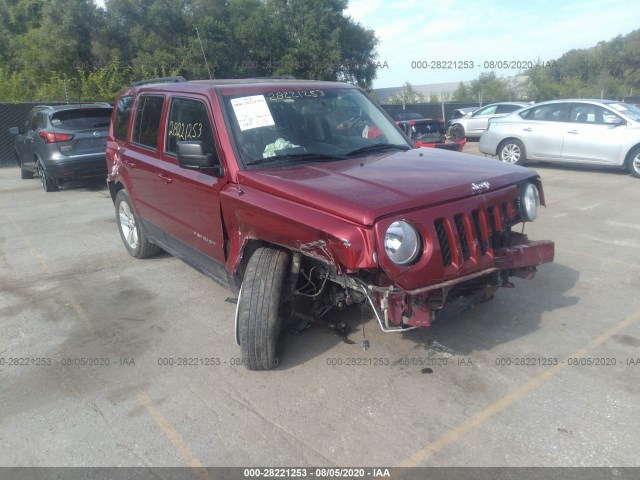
[505,141]
[114,188]
[629,152]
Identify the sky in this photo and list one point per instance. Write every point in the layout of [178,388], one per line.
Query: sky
[416,34]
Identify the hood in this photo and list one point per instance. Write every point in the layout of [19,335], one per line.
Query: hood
[366,188]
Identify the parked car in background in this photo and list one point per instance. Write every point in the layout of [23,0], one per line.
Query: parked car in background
[460,113]
[593,132]
[475,124]
[407,116]
[63,142]
[430,132]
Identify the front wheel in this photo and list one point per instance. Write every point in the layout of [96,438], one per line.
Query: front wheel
[133,236]
[260,307]
[49,184]
[633,163]
[512,151]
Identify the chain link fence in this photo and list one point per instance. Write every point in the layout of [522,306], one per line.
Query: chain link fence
[13,115]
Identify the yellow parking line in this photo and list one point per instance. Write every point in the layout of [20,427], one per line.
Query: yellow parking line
[173,436]
[482,416]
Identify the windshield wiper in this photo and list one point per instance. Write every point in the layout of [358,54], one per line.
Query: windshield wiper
[298,156]
[378,146]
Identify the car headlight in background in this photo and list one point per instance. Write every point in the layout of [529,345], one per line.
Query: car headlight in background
[402,243]
[529,202]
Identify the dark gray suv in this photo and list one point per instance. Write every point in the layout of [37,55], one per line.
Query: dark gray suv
[63,142]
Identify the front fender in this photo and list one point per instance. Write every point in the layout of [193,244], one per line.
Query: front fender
[250,214]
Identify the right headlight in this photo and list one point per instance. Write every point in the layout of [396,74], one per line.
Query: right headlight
[529,202]
[402,243]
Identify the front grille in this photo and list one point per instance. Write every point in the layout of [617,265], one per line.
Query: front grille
[464,242]
[443,239]
[470,235]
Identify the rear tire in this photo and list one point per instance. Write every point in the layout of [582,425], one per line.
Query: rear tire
[260,307]
[633,163]
[512,151]
[49,184]
[132,234]
[457,132]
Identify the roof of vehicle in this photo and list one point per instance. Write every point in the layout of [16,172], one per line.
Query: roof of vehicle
[203,85]
[592,100]
[72,106]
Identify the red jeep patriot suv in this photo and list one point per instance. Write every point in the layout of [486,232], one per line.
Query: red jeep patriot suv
[288,189]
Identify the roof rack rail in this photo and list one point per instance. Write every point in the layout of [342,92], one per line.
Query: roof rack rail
[161,80]
[275,77]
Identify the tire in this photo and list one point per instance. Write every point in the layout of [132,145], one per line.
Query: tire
[512,151]
[260,307]
[49,184]
[133,236]
[24,173]
[633,162]
[457,132]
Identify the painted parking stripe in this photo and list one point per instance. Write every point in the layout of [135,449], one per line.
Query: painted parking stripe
[477,420]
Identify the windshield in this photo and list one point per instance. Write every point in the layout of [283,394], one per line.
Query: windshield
[626,109]
[308,125]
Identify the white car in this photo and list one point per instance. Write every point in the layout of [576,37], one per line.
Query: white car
[474,124]
[595,132]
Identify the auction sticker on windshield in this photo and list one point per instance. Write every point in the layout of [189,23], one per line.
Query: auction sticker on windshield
[252,112]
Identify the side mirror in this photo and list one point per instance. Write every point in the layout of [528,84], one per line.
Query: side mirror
[612,120]
[14,130]
[192,156]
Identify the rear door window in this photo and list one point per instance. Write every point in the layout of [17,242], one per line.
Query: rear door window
[147,121]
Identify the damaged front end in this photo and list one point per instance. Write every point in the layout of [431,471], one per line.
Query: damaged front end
[434,263]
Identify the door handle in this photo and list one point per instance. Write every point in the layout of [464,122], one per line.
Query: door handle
[528,129]
[129,163]
[573,132]
[165,179]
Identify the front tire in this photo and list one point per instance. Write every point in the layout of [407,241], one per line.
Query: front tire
[132,234]
[512,151]
[633,163]
[260,307]
[49,184]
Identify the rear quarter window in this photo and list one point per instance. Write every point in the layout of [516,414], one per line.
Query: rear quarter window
[122,116]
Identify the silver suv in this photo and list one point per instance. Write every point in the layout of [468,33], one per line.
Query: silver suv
[63,142]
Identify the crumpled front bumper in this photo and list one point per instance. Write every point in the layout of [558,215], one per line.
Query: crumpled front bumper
[400,309]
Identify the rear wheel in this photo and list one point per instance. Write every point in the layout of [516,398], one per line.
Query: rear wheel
[260,307]
[49,184]
[457,132]
[133,236]
[633,163]
[512,151]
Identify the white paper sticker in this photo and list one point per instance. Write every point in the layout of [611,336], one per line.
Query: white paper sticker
[252,112]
